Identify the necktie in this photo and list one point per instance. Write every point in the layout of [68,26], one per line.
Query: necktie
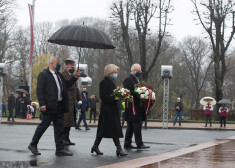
[60,83]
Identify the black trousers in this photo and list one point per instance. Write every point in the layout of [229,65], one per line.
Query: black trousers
[133,127]
[11,115]
[94,114]
[67,133]
[208,117]
[58,121]
[221,121]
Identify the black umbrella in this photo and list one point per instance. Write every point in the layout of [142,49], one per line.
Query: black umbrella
[224,101]
[81,36]
[21,91]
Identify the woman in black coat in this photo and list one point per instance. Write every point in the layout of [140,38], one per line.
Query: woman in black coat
[109,125]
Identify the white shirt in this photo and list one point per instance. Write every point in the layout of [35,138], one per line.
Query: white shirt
[208,105]
[226,109]
[58,85]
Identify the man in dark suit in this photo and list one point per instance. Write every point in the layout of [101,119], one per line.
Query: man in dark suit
[84,107]
[53,101]
[134,118]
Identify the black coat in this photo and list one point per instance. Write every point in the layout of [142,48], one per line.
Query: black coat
[85,102]
[109,125]
[180,105]
[93,102]
[129,83]
[47,91]
[11,102]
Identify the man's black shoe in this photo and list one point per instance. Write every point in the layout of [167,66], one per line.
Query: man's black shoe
[142,146]
[66,142]
[87,128]
[129,147]
[70,143]
[34,150]
[79,128]
[63,153]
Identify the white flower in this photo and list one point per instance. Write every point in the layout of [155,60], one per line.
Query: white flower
[145,97]
[146,93]
[142,96]
[153,97]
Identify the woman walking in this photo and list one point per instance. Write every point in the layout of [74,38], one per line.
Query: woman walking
[109,125]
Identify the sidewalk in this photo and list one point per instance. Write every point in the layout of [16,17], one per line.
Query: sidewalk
[213,154]
[151,124]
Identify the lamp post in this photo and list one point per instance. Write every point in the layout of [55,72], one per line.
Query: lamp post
[166,73]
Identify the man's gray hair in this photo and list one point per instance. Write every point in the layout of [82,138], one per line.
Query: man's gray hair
[134,66]
[51,59]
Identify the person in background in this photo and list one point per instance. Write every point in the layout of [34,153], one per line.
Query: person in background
[84,107]
[178,111]
[24,102]
[35,110]
[4,111]
[11,106]
[109,125]
[223,113]
[93,100]
[208,109]
[18,106]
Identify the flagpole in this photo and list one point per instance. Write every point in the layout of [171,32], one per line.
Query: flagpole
[31,63]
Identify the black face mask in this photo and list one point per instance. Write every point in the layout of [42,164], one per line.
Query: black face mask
[71,71]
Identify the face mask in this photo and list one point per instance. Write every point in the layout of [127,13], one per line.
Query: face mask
[114,75]
[138,74]
[57,67]
[71,71]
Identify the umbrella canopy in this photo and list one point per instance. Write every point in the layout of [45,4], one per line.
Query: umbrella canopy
[224,101]
[21,91]
[81,36]
[205,100]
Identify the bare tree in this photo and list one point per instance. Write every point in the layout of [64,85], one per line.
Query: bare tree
[142,12]
[217,19]
[195,57]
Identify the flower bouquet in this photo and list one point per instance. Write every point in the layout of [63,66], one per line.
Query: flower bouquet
[146,94]
[122,94]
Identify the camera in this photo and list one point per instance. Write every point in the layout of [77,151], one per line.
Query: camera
[166,71]
[2,69]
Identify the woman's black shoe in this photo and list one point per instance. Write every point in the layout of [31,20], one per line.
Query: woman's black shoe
[96,150]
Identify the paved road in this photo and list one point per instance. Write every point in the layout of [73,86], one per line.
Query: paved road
[14,140]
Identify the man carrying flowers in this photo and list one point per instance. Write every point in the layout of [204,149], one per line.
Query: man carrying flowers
[135,113]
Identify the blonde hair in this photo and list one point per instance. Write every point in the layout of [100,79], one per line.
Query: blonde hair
[110,68]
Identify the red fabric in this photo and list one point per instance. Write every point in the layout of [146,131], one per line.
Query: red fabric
[223,113]
[207,111]
[28,116]
[69,63]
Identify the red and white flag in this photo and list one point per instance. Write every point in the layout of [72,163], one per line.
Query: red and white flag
[31,31]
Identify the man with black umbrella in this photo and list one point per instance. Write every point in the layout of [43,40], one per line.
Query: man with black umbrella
[53,101]
[74,96]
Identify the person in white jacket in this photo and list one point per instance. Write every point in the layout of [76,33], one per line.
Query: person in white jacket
[208,109]
[223,113]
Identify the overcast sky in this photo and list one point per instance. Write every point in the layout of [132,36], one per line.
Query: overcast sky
[183,23]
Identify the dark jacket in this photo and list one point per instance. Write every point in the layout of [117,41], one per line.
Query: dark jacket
[85,102]
[47,91]
[129,83]
[24,103]
[70,117]
[11,102]
[109,125]
[93,102]
[180,105]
